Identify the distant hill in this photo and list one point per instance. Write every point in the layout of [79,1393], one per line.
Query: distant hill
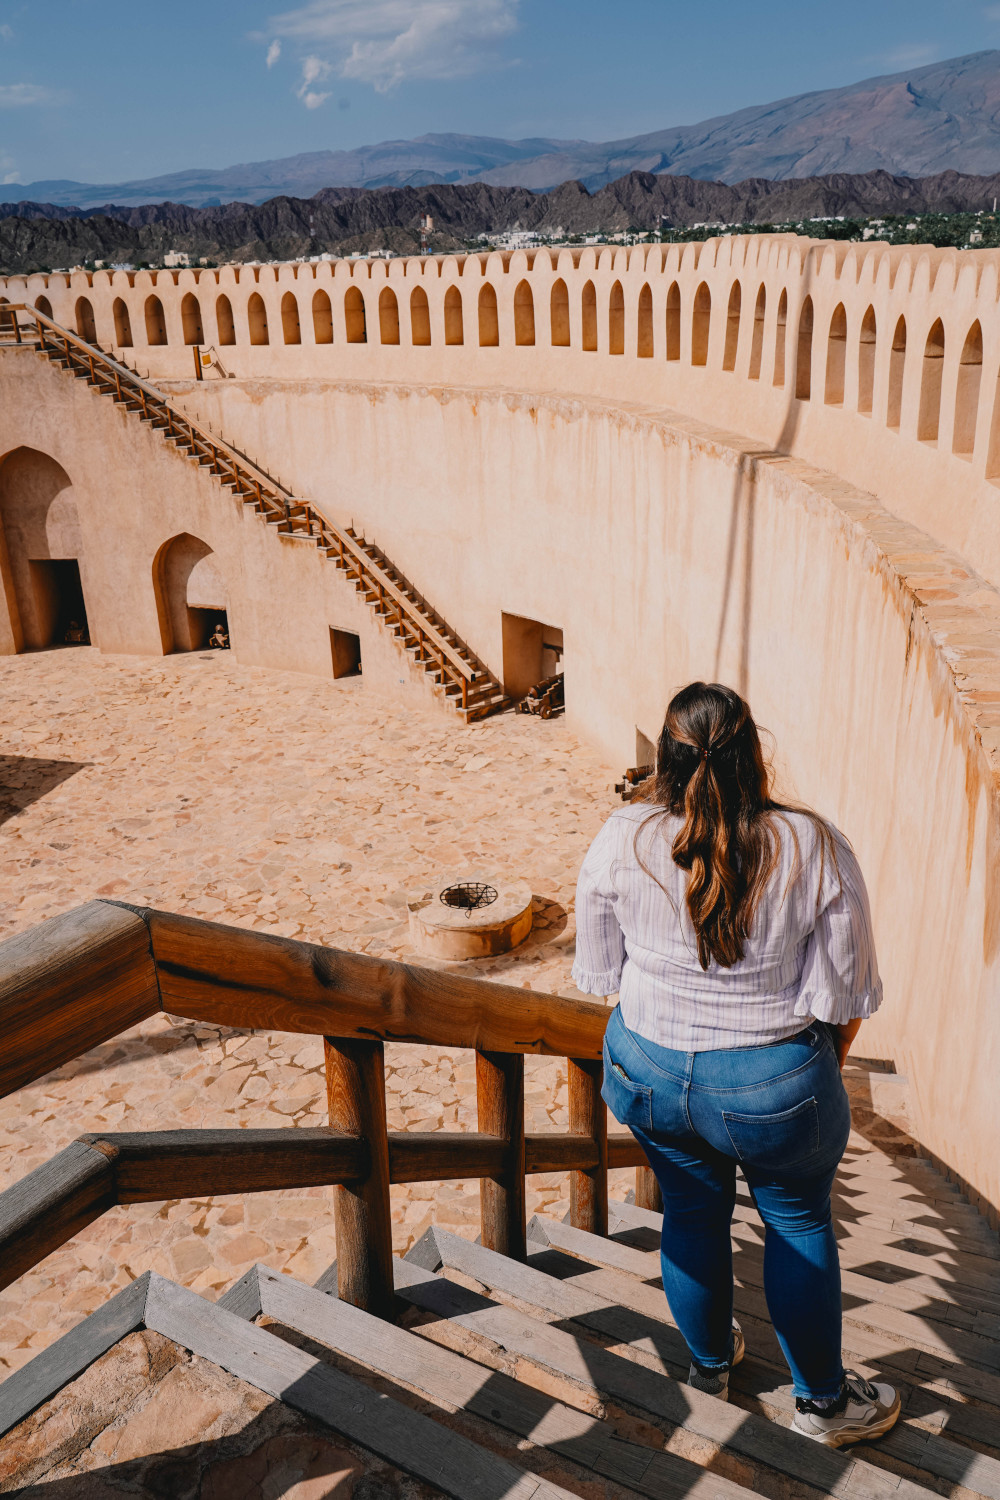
[344,219]
[945,116]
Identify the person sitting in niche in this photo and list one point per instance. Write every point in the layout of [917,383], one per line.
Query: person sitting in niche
[76,634]
[219,639]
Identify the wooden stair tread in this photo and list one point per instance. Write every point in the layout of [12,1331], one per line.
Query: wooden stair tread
[607,1375]
[460,1384]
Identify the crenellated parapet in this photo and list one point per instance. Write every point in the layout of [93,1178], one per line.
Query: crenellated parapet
[878,363]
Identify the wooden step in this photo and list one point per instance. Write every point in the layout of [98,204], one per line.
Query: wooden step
[461,1386]
[578,1371]
[917,1433]
[409,1440]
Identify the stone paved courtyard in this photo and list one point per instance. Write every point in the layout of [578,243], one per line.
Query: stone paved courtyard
[288,805]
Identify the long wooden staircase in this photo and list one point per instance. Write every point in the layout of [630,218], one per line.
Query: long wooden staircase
[541,1362]
[421,631]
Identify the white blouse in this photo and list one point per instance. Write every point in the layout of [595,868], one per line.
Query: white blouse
[810,952]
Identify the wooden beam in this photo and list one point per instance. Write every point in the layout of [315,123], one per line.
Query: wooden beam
[151,1165]
[500,1097]
[625,1151]
[70,983]
[588,1189]
[647,1190]
[50,1205]
[355,1080]
[233,977]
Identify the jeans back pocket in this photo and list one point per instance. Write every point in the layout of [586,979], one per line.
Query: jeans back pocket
[630,1103]
[776,1142]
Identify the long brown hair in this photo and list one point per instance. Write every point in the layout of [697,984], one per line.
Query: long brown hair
[710,770]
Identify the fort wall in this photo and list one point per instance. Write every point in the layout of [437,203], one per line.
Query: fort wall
[659,498]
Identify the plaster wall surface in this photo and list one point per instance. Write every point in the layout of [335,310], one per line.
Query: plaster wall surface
[675,519]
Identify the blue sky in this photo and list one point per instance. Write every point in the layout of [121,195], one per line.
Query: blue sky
[107,92]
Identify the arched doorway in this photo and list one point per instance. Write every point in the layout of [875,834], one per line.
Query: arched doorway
[41,529]
[192,600]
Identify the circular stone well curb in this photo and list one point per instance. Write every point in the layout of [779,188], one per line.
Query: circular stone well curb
[443,931]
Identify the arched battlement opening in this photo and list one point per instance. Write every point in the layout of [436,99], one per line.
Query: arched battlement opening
[970,376]
[524,314]
[674,322]
[354,316]
[897,367]
[454,329]
[41,529]
[780,340]
[733,314]
[420,318]
[867,347]
[588,309]
[701,324]
[757,334]
[225,320]
[156,323]
[803,352]
[644,323]
[616,319]
[191,319]
[489,323]
[257,320]
[322,314]
[388,316]
[85,325]
[291,328]
[123,324]
[191,596]
[932,370]
[44,306]
[836,357]
[559,314]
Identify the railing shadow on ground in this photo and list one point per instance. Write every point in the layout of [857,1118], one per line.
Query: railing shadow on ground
[25,779]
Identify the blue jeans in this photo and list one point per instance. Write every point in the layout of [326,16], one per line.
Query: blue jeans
[781,1113]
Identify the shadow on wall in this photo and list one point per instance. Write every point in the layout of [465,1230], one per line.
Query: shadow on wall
[736,610]
[25,779]
[41,534]
[191,598]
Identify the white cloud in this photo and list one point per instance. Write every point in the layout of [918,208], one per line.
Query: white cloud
[6,32]
[273,53]
[18,95]
[383,42]
[314,70]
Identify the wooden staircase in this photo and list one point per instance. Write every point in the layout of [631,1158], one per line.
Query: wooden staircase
[540,1362]
[466,682]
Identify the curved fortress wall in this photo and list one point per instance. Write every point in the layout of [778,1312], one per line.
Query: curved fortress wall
[659,497]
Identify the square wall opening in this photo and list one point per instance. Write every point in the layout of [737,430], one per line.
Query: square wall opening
[209,628]
[59,602]
[345,649]
[532,652]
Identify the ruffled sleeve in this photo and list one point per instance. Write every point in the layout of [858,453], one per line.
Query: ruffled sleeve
[840,979]
[600,943]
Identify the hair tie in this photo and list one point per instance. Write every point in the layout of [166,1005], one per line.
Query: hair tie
[704,755]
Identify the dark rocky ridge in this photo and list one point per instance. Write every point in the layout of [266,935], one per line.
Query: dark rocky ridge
[344,219]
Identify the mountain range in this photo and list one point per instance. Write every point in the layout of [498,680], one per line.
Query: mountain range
[34,236]
[919,123]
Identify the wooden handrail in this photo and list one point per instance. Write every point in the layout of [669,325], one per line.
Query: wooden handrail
[268,492]
[82,977]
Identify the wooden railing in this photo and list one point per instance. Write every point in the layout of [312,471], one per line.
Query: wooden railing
[21,324]
[84,977]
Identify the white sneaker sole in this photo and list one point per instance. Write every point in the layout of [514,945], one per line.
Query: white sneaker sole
[860,1433]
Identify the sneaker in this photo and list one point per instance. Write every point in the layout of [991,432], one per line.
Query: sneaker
[716,1382]
[864,1410]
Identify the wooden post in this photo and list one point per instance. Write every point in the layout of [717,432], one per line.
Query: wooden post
[588,1115]
[647,1190]
[500,1099]
[355,1083]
